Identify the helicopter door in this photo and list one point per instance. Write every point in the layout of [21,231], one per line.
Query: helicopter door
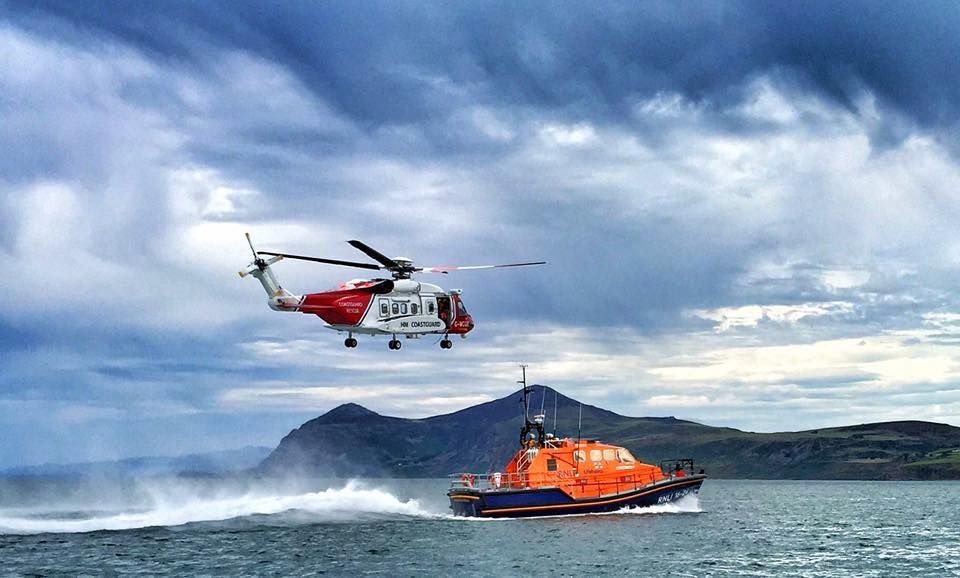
[444,311]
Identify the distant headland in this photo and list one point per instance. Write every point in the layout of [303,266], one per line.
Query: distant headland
[351,440]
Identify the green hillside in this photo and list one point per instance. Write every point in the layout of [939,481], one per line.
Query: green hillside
[353,441]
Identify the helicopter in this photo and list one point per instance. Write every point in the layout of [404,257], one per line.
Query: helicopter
[397,306]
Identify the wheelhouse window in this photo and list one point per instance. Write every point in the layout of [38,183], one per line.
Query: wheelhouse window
[596,455]
[384,308]
[551,464]
[396,309]
[579,456]
[609,455]
[625,456]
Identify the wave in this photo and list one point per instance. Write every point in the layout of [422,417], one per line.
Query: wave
[170,506]
[689,504]
[171,509]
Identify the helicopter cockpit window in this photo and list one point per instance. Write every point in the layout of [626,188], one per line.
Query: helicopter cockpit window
[403,308]
[396,309]
[414,309]
[461,310]
[384,308]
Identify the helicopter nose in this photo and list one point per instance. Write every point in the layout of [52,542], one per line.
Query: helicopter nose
[463,324]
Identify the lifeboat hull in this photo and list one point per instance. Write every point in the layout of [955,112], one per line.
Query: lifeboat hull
[520,503]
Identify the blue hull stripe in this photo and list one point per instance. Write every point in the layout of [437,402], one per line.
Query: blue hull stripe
[553,501]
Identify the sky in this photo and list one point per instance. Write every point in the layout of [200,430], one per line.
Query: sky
[749,211]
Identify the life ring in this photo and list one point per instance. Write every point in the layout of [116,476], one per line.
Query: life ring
[467,480]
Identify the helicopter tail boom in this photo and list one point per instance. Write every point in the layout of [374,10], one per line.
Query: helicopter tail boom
[278,298]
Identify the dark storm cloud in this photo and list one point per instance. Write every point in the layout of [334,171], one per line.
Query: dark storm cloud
[385,63]
[664,157]
[411,65]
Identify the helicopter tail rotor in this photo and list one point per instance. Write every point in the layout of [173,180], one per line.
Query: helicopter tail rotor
[258,263]
[278,298]
[250,242]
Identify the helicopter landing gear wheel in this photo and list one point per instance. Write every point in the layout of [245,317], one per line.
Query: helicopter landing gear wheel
[445,343]
[394,343]
[350,342]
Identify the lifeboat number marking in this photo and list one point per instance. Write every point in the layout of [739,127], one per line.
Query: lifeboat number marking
[674,495]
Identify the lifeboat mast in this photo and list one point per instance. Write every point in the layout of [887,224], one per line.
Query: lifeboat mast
[529,427]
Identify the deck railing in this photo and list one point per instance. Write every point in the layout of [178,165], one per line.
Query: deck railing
[573,482]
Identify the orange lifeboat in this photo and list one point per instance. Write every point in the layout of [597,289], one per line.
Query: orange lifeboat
[552,476]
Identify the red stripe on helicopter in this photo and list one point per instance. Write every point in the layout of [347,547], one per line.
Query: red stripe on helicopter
[340,307]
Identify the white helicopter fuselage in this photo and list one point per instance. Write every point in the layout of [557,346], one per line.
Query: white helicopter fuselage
[398,306]
[376,306]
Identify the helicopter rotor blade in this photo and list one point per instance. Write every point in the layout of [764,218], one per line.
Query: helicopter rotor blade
[374,254]
[447,269]
[249,242]
[327,261]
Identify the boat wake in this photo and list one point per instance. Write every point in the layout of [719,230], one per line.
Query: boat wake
[689,504]
[350,502]
[170,506]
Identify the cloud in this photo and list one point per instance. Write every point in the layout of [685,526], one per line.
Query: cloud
[750,315]
[573,58]
[749,211]
[702,375]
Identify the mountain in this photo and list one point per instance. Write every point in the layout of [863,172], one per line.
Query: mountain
[205,463]
[351,440]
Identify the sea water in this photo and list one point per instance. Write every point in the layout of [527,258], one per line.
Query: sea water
[403,528]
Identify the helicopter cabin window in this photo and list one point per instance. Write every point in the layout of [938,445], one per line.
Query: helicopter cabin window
[403,308]
[625,456]
[596,455]
[579,456]
[396,309]
[551,464]
[414,309]
[384,308]
[609,455]
[430,308]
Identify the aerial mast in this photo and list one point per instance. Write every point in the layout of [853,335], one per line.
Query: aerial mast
[526,435]
[526,414]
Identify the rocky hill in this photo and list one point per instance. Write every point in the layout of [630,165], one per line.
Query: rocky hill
[351,440]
